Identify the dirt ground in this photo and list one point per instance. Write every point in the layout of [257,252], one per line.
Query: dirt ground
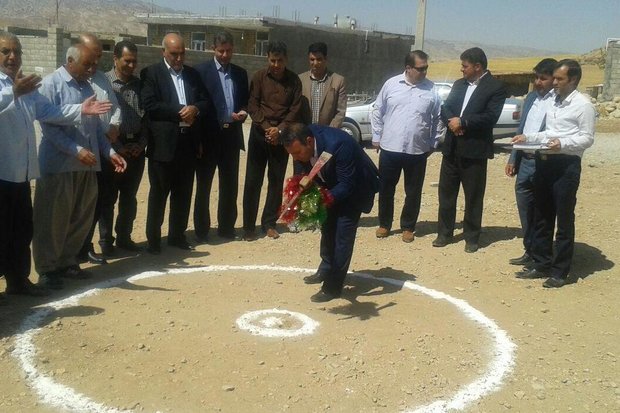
[171,343]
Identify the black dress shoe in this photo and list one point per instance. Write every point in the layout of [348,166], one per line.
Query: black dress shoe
[441,241]
[128,245]
[107,250]
[51,280]
[471,247]
[323,297]
[250,236]
[95,258]
[532,274]
[315,278]
[27,288]
[525,259]
[74,272]
[555,282]
[181,244]
[202,239]
[153,249]
[227,234]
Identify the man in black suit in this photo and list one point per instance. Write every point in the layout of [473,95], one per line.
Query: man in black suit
[352,179]
[470,111]
[173,98]
[227,85]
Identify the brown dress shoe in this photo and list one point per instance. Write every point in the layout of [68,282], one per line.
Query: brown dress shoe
[273,233]
[408,236]
[382,232]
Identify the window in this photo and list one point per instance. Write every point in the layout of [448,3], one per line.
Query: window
[199,41]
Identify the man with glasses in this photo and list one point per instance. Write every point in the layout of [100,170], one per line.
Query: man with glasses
[405,123]
[20,105]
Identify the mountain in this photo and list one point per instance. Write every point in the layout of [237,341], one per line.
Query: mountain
[117,16]
[102,16]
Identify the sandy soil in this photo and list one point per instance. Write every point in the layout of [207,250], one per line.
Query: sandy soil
[171,343]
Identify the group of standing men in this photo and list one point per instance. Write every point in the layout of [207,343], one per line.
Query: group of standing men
[189,120]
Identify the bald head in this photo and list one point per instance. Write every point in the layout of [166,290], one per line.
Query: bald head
[174,51]
[81,62]
[91,42]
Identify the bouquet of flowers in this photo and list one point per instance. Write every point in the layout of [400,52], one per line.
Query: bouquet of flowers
[308,209]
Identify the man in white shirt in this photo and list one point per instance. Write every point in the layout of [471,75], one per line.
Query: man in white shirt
[522,164]
[20,105]
[405,122]
[569,132]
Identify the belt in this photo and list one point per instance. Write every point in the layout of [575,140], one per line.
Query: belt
[529,156]
[226,125]
[183,130]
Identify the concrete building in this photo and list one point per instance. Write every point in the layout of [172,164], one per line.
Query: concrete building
[366,58]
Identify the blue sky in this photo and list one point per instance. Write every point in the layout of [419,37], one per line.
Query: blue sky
[572,26]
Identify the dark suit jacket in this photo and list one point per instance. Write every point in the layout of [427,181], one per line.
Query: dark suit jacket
[211,80]
[350,175]
[515,156]
[161,105]
[479,117]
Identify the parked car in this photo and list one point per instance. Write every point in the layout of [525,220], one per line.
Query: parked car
[357,118]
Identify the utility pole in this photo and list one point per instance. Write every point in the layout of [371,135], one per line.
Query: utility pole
[419,26]
[57,11]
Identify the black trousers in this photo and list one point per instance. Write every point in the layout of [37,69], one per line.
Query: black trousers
[555,195]
[221,152]
[262,155]
[414,168]
[337,242]
[122,187]
[15,231]
[174,178]
[472,174]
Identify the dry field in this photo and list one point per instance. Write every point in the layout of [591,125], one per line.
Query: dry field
[450,69]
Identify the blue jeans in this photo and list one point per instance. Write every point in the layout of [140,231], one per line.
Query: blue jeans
[524,192]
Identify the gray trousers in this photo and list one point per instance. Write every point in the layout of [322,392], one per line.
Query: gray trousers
[64,204]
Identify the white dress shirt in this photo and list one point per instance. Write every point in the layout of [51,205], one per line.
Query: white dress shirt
[572,122]
[537,112]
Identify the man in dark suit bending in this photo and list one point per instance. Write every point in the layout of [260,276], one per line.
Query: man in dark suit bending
[352,179]
[173,98]
[227,85]
[470,111]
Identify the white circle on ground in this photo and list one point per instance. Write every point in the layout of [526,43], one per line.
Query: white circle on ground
[276,323]
[58,395]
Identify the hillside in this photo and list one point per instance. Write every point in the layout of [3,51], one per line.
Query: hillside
[117,16]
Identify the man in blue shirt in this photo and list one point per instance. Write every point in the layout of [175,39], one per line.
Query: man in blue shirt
[405,122]
[66,193]
[20,105]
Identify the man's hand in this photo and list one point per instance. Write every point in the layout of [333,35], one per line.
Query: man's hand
[113,133]
[118,162]
[554,144]
[518,139]
[376,146]
[22,85]
[272,135]
[86,157]
[135,149]
[188,114]
[240,116]
[510,169]
[454,124]
[125,152]
[92,106]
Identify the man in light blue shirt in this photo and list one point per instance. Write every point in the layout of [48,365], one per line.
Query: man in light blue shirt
[66,193]
[405,127]
[20,106]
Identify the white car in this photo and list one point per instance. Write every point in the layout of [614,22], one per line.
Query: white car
[357,118]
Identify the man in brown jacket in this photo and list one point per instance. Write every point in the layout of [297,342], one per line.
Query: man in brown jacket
[324,89]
